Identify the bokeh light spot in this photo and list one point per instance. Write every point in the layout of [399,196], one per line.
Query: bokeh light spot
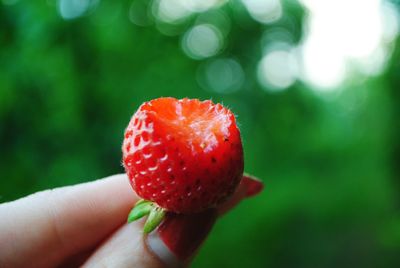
[277,69]
[322,66]
[71,9]
[264,11]
[224,75]
[216,17]
[202,41]
[202,5]
[332,48]
[170,11]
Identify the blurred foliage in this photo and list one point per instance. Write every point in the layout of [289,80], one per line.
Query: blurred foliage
[330,164]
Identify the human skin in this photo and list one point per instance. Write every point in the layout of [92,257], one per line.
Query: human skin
[85,225]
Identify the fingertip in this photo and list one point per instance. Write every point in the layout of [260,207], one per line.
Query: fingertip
[176,241]
[252,184]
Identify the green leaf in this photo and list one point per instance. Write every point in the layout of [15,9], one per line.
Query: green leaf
[156,216]
[141,209]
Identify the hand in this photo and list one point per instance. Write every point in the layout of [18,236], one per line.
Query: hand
[85,225]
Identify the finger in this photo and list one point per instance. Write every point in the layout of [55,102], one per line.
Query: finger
[62,222]
[172,244]
[179,236]
[125,248]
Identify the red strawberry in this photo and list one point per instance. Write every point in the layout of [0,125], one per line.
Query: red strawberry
[183,155]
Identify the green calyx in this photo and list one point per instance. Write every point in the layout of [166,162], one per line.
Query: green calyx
[143,208]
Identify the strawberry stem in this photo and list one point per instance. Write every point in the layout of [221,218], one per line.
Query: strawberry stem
[141,209]
[155,217]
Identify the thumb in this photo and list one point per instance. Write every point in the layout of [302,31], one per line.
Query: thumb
[173,244]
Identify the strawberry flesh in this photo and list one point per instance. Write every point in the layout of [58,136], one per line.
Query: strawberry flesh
[185,155]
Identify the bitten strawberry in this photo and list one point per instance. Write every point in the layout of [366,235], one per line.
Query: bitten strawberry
[182,156]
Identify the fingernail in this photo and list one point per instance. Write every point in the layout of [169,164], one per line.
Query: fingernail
[179,236]
[252,184]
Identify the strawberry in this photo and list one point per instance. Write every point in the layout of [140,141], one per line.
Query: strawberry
[181,156]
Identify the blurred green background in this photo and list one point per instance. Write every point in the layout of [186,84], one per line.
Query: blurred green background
[315,86]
